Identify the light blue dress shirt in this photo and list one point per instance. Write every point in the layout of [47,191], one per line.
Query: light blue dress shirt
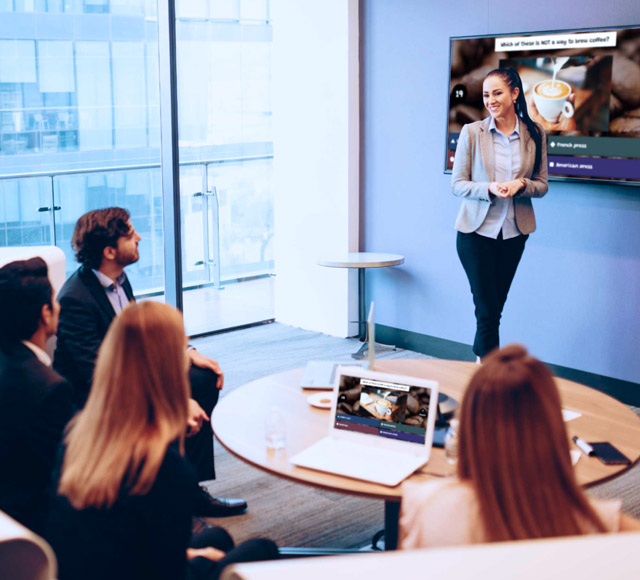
[507,160]
[114,290]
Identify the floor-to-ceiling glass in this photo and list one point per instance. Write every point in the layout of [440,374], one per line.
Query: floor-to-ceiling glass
[79,123]
[80,130]
[226,154]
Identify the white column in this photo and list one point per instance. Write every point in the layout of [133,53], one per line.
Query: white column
[316,139]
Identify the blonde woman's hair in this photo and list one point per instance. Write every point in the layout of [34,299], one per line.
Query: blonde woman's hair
[136,407]
[514,451]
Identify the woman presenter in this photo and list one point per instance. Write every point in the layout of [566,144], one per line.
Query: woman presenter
[500,164]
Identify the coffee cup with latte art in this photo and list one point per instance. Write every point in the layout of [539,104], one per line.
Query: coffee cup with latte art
[550,98]
[383,407]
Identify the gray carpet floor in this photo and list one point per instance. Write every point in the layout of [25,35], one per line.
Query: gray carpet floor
[293,514]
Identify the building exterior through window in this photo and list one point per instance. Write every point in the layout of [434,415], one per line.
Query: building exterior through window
[80,130]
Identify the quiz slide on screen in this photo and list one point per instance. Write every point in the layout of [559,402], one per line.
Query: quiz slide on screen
[384,409]
[582,87]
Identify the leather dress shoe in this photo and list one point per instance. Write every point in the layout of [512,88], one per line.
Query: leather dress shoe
[218,507]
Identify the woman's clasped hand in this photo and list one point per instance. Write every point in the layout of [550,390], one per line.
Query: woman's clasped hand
[506,188]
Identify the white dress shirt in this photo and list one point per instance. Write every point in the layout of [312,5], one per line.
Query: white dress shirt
[114,290]
[507,159]
[43,357]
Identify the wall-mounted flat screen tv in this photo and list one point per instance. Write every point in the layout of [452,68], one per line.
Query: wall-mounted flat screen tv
[582,86]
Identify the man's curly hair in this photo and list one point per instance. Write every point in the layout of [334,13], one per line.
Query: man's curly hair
[97,230]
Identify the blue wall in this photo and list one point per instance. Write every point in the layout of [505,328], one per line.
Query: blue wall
[575,301]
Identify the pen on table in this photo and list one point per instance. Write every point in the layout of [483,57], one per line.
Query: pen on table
[584,446]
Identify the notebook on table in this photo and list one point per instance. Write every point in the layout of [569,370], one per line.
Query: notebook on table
[380,430]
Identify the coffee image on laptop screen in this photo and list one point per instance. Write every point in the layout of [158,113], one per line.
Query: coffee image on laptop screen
[382,408]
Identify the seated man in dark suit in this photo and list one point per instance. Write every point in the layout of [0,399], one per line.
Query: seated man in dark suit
[35,402]
[105,243]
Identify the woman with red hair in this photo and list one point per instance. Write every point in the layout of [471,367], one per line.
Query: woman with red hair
[515,478]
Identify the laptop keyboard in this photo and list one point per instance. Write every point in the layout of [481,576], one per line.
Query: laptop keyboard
[359,461]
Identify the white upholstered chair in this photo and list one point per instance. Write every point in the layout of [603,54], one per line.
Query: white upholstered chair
[23,554]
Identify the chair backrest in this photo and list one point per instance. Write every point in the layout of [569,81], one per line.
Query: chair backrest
[592,557]
[23,554]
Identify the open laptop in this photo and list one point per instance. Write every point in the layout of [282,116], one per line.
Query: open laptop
[380,430]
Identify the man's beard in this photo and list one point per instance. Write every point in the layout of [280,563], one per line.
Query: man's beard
[127,260]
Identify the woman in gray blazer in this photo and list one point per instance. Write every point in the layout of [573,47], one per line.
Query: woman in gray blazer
[500,164]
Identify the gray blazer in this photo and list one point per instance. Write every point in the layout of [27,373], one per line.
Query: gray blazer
[473,170]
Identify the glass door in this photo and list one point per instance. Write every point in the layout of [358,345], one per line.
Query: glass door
[226,157]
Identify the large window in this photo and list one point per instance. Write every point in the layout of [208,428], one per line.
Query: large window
[80,129]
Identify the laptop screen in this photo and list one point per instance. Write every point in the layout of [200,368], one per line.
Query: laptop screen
[386,409]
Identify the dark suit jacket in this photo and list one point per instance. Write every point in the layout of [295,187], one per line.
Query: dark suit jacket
[35,405]
[85,316]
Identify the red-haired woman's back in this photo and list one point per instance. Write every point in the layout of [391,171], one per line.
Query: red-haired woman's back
[515,478]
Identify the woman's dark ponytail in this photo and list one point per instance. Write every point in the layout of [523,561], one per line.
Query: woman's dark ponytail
[511,77]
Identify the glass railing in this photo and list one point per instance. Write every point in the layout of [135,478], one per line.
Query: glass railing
[227,216]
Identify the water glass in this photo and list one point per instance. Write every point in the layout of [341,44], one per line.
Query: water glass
[275,429]
[451,445]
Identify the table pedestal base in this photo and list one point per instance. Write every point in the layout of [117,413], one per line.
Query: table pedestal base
[391,520]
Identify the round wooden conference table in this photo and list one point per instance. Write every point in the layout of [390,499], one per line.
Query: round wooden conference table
[238,423]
